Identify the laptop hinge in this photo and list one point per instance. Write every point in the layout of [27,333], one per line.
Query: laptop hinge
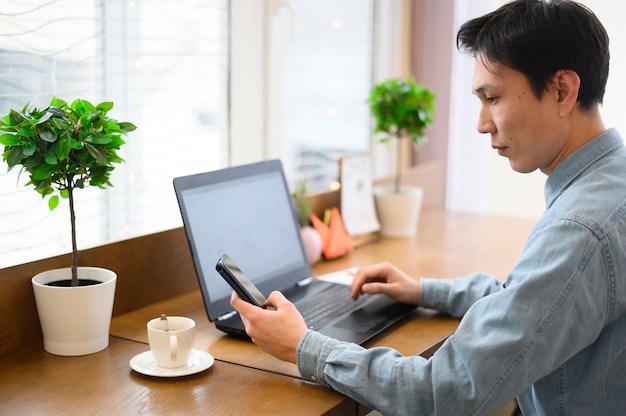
[304,282]
[226,316]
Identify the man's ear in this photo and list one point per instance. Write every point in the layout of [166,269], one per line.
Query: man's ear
[567,84]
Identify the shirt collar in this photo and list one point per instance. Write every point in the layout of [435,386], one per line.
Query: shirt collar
[576,163]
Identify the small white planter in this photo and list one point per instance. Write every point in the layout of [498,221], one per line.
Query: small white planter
[75,320]
[398,212]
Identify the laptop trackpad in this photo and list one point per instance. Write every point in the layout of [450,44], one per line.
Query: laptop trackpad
[372,314]
[360,322]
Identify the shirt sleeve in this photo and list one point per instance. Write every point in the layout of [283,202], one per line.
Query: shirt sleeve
[553,306]
[364,374]
[455,297]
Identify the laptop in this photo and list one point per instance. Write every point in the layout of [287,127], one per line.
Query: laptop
[248,213]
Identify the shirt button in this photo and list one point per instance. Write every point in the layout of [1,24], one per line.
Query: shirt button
[313,378]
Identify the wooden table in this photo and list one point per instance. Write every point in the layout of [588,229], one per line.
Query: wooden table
[244,380]
[426,327]
[447,245]
[33,382]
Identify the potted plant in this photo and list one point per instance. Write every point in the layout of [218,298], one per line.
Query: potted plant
[401,110]
[62,148]
[311,239]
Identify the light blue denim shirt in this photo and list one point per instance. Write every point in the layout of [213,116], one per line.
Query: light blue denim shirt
[555,337]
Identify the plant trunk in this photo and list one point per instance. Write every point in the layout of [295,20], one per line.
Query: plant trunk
[70,194]
[398,163]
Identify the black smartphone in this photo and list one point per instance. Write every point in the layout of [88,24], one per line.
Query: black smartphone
[239,281]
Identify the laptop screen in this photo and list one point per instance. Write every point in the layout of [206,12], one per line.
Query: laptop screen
[246,212]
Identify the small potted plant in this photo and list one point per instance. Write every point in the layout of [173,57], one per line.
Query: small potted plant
[401,110]
[62,148]
[310,237]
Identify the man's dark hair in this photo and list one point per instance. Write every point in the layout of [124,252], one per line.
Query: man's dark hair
[539,38]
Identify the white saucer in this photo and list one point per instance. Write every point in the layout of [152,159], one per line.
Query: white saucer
[145,363]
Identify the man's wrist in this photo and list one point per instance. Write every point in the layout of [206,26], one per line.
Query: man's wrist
[311,354]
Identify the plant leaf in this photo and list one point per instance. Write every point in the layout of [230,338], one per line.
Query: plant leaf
[57,102]
[56,111]
[60,123]
[98,139]
[9,140]
[29,148]
[127,126]
[48,136]
[63,148]
[53,202]
[51,158]
[15,118]
[44,172]
[44,118]
[96,153]
[75,144]
[27,132]
[13,156]
[105,106]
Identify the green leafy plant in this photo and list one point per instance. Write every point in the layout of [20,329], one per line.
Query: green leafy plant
[401,109]
[64,147]
[301,203]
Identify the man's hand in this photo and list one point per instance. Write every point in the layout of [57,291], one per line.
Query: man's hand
[278,331]
[388,279]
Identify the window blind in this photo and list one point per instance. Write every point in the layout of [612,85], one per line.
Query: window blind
[164,63]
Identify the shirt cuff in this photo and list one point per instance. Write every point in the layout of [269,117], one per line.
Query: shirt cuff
[434,294]
[311,354]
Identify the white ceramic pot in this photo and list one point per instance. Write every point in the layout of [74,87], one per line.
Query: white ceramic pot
[75,320]
[398,212]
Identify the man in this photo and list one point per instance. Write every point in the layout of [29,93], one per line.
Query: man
[554,335]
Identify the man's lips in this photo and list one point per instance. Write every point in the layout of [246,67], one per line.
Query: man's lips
[500,149]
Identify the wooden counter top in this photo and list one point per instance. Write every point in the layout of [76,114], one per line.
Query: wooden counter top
[447,245]
[35,382]
[244,380]
[425,327]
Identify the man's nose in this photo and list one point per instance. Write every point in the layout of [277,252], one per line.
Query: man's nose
[485,122]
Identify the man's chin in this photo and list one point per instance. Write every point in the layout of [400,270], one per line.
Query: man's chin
[520,168]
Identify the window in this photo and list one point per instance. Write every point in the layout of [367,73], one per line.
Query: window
[309,67]
[329,66]
[164,64]
[209,83]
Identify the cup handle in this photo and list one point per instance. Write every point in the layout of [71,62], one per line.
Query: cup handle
[173,347]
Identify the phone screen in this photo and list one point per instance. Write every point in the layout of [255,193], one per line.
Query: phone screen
[239,281]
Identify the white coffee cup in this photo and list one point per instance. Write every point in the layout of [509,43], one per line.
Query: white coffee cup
[171,347]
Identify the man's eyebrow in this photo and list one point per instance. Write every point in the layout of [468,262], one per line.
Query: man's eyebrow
[481,89]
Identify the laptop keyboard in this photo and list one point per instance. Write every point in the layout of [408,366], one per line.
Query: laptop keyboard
[327,305]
